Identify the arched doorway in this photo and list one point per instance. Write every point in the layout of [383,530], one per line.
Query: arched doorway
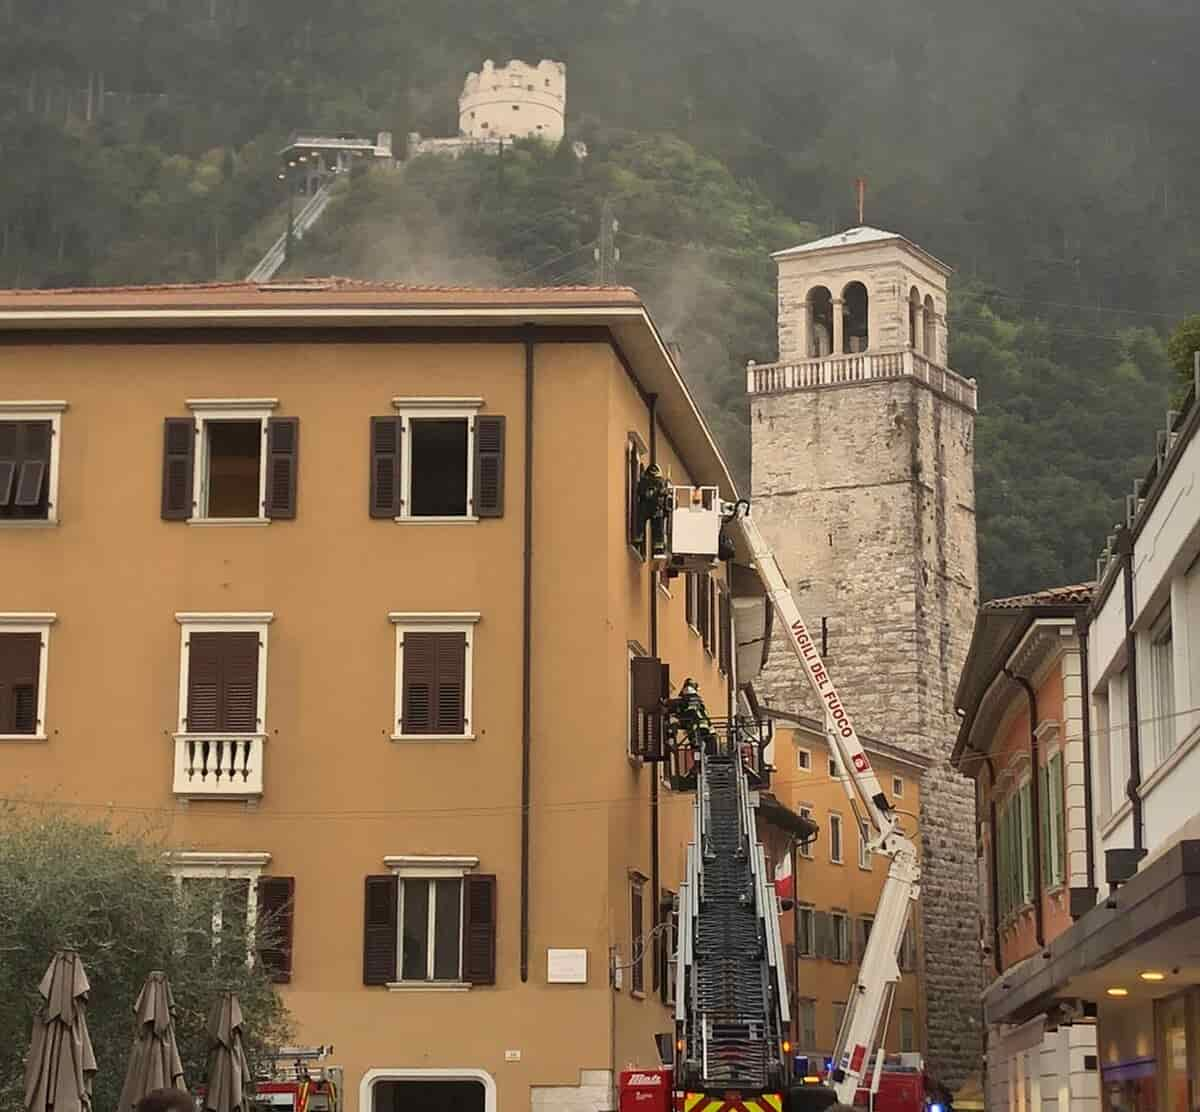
[402,1090]
[820,322]
[855,330]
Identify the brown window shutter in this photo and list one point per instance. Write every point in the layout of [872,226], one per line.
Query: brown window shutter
[239,699]
[489,466]
[179,447]
[385,466]
[379,929]
[723,634]
[20,665]
[9,461]
[418,683]
[222,683]
[689,606]
[276,918]
[433,698]
[648,683]
[451,683]
[283,443]
[479,930]
[702,609]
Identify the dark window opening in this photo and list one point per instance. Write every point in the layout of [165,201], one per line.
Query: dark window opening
[431,946]
[20,667]
[234,459]
[438,482]
[854,315]
[432,1095]
[915,334]
[820,322]
[930,342]
[25,470]
[637,943]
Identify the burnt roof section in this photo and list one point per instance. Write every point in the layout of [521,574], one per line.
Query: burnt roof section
[784,818]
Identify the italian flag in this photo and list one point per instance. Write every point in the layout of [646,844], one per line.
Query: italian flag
[784,885]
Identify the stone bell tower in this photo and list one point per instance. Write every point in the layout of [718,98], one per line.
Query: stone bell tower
[862,455]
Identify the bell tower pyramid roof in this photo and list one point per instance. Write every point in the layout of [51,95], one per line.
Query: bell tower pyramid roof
[859,237]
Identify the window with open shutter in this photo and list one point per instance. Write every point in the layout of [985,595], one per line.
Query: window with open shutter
[434,683]
[633,477]
[20,665]
[25,448]
[489,466]
[222,691]
[179,448]
[649,684]
[283,444]
[723,633]
[385,466]
[379,929]
[479,930]
[689,605]
[275,925]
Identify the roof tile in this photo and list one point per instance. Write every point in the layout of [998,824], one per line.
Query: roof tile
[1074,594]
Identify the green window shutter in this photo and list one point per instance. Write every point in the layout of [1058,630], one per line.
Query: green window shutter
[1027,820]
[1044,804]
[1058,817]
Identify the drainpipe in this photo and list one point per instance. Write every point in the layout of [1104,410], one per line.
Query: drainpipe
[1085,683]
[656,897]
[527,657]
[1125,550]
[1035,796]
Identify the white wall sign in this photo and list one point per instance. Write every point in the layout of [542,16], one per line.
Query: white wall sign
[566,967]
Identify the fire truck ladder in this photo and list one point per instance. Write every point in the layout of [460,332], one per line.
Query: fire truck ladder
[732,1013]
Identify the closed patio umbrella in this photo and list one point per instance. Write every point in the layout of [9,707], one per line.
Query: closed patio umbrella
[154,1061]
[228,1073]
[60,1066]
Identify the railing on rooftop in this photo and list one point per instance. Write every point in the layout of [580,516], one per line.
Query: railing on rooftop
[1144,488]
[838,370]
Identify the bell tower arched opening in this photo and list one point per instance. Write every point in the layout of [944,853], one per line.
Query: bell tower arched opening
[820,322]
[855,330]
[916,329]
[929,343]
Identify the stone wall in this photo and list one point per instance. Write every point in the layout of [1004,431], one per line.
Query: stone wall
[866,494]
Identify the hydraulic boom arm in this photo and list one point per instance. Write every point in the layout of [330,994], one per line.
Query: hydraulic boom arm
[865,1023]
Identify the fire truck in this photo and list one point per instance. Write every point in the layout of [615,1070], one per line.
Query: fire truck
[731,1051]
[295,1083]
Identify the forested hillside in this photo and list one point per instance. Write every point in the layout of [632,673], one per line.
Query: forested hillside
[1047,152]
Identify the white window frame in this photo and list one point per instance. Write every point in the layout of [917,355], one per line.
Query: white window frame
[836,818]
[40,624]
[39,411]
[1162,686]
[410,409]
[805,810]
[206,411]
[192,865]
[838,937]
[810,941]
[428,867]
[463,622]
[803,759]
[865,855]
[249,622]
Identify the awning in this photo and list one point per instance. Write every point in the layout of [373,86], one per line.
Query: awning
[1151,921]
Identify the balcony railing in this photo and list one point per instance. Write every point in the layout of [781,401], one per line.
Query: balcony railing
[228,766]
[838,370]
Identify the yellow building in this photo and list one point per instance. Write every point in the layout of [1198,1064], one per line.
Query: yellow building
[837,884]
[337,581]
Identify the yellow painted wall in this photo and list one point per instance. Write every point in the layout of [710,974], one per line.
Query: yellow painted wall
[828,885]
[339,794]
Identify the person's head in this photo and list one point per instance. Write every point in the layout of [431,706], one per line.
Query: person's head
[166,1100]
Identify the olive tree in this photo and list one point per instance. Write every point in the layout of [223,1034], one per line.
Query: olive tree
[109,894]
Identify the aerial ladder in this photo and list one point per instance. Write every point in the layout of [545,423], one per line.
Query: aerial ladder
[700,529]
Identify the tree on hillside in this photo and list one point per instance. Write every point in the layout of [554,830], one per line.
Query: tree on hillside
[110,895]
[1183,345]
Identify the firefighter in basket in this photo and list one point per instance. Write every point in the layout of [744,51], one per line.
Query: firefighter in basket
[654,506]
